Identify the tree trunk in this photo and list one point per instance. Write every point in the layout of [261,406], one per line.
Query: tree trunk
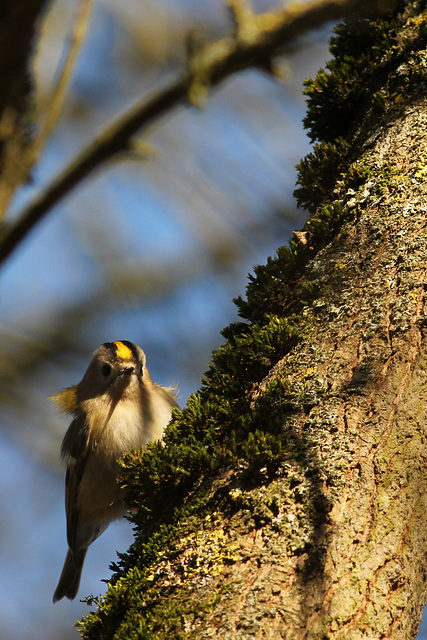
[290,498]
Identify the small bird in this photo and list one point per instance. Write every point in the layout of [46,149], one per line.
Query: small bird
[116,407]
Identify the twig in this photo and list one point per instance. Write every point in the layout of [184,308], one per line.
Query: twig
[255,40]
[57,98]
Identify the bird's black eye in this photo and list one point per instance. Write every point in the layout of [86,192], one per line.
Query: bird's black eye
[106,370]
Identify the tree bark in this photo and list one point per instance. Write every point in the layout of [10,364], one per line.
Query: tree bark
[289,500]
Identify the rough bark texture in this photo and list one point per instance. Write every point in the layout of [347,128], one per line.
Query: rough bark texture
[306,518]
[367,373]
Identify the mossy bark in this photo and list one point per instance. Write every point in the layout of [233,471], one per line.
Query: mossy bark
[289,500]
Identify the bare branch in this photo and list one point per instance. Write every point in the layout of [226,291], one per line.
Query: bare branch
[57,98]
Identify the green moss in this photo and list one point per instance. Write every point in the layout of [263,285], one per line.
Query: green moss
[317,172]
[375,73]
[283,286]
[339,92]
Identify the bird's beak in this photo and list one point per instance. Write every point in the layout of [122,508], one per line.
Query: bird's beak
[127,371]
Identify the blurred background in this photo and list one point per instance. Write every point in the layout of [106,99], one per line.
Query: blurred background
[149,251]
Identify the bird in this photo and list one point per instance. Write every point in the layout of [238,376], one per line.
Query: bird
[116,407]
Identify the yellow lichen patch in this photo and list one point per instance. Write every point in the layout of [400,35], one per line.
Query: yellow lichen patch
[208,552]
[310,372]
[340,265]
[422,170]
[123,351]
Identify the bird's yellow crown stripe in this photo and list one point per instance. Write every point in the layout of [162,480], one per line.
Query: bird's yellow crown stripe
[123,351]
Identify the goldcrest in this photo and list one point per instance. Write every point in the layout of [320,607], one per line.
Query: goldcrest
[116,407]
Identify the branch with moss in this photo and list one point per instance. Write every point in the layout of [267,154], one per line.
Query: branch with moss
[254,41]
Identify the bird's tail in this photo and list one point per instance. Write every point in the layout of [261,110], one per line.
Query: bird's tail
[69,581]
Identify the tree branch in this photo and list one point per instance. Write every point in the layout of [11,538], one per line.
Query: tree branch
[253,43]
[59,91]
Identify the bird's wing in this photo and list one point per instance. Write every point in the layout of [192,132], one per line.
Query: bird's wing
[75,448]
